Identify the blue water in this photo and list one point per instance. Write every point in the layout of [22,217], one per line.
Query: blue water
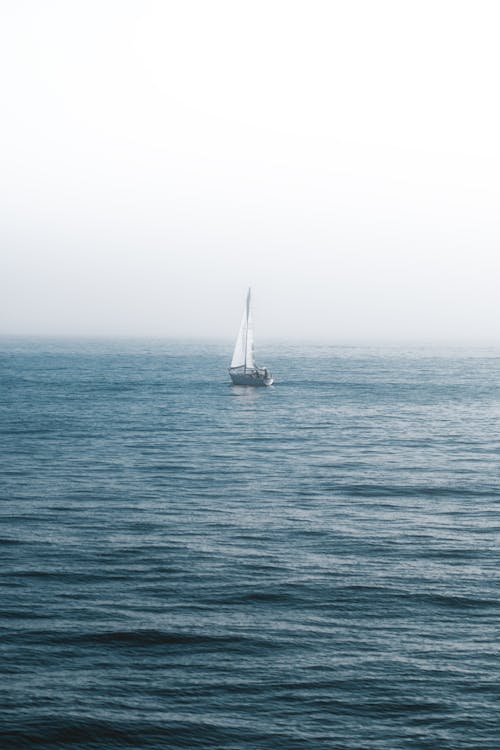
[186,564]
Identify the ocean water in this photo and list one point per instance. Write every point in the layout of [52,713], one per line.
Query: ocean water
[187,564]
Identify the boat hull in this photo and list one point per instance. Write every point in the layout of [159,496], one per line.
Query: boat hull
[254,378]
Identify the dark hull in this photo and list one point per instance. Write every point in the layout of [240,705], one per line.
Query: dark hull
[254,378]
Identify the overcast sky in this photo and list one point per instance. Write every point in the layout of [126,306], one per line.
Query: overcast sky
[343,158]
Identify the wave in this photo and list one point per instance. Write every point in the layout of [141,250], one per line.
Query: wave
[150,637]
[417,490]
[55,732]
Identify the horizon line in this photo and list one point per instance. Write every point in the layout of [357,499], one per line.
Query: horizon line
[263,340]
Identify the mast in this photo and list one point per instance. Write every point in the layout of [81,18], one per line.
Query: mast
[246,327]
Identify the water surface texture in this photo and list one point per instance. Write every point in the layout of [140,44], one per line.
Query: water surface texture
[189,564]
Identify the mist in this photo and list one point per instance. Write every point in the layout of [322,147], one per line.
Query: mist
[341,158]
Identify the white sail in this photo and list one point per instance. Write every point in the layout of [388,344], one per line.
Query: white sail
[243,350]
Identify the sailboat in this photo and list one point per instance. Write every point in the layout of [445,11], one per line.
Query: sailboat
[243,370]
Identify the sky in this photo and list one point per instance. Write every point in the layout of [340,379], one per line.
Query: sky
[342,158]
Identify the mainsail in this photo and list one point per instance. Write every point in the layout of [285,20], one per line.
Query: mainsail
[243,351]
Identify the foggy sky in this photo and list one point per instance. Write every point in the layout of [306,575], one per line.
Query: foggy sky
[342,158]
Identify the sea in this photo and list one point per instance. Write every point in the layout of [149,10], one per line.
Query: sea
[190,564]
